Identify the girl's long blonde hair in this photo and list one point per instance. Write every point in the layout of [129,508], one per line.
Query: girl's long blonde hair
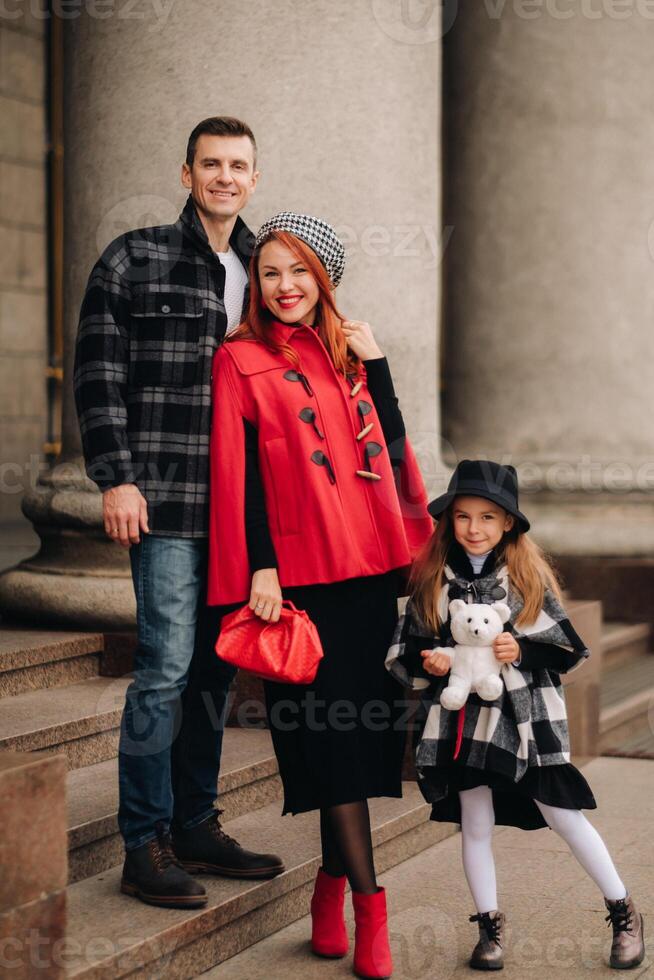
[530,571]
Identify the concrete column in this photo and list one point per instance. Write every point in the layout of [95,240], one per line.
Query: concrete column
[23,292]
[344,101]
[548,272]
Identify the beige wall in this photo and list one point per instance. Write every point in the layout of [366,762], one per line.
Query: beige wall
[23,336]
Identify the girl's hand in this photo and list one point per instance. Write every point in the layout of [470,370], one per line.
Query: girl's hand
[360,339]
[506,648]
[266,594]
[437,661]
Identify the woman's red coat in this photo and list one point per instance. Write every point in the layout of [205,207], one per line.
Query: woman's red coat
[322,532]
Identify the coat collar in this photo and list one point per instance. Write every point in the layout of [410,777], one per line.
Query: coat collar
[241,238]
[284,333]
[287,330]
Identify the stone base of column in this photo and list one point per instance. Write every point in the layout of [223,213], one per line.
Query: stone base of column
[592,524]
[603,546]
[624,586]
[78,577]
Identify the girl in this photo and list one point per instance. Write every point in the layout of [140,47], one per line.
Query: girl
[507,762]
[307,445]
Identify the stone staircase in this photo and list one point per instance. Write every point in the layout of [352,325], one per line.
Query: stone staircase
[54,700]
[627,691]
[60,696]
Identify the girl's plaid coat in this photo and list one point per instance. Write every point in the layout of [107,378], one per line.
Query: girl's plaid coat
[527,725]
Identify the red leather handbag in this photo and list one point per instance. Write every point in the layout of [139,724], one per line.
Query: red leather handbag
[288,650]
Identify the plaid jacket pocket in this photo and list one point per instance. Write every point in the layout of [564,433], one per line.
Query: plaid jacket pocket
[165,337]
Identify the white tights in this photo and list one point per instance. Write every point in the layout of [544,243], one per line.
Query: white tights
[478,820]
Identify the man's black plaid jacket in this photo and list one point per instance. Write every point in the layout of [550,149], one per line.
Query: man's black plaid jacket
[151,320]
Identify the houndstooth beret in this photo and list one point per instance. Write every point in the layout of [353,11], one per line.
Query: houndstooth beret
[316,233]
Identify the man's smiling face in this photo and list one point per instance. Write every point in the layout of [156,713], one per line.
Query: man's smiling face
[222,178]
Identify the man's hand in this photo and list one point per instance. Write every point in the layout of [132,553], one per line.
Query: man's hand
[266,594]
[360,339]
[125,513]
[506,648]
[437,661]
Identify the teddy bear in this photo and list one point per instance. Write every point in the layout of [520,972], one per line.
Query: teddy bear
[474,626]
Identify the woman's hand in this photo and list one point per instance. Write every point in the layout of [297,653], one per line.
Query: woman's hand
[437,661]
[266,594]
[360,339]
[506,648]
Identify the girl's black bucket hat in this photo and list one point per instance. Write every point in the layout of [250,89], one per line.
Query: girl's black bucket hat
[482,478]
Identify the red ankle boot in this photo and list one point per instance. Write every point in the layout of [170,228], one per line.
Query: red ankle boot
[372,952]
[328,932]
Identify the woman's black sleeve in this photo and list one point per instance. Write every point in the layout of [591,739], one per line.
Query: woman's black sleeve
[382,392]
[261,551]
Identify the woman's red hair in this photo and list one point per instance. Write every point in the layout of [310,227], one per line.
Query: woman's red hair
[328,319]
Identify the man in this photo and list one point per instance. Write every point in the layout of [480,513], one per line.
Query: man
[158,303]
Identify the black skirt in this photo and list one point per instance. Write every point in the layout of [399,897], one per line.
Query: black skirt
[341,738]
[513,802]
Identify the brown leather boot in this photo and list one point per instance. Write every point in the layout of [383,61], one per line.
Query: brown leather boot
[488,954]
[153,874]
[207,848]
[628,947]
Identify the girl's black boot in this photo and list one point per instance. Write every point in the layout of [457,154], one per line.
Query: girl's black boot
[628,947]
[488,954]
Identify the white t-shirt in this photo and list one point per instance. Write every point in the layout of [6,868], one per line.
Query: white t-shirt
[235,282]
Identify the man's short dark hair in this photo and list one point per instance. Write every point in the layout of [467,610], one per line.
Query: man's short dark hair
[219,126]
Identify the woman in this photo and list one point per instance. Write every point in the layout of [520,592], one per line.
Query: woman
[316,497]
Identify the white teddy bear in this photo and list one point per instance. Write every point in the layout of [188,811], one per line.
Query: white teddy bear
[474,667]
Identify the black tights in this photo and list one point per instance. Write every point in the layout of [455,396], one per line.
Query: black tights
[347,845]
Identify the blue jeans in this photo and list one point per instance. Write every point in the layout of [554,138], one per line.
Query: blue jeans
[175,707]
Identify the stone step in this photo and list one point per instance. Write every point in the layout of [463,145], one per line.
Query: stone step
[81,720]
[626,700]
[37,659]
[639,744]
[622,642]
[249,780]
[112,936]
